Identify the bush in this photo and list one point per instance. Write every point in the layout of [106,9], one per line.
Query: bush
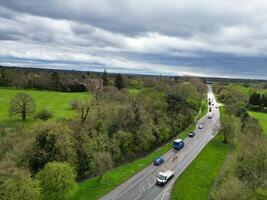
[44,115]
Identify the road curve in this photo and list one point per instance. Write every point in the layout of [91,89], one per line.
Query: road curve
[142,185]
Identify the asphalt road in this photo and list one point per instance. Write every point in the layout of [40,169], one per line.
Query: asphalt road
[142,185]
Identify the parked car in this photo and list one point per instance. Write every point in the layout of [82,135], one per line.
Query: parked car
[163,177]
[191,134]
[158,161]
[200,126]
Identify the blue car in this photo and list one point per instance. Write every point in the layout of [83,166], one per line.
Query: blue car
[158,161]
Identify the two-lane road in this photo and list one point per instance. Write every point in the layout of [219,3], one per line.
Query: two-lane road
[142,185]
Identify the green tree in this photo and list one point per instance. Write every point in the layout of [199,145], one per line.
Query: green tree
[54,142]
[57,181]
[56,80]
[22,104]
[101,162]
[82,108]
[231,190]
[255,99]
[119,82]
[16,184]
[3,78]
[125,143]
[105,78]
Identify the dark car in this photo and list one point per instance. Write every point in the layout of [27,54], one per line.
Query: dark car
[158,161]
[191,134]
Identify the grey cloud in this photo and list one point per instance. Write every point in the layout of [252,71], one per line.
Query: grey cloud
[160,35]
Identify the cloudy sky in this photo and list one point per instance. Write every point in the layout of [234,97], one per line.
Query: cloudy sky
[226,38]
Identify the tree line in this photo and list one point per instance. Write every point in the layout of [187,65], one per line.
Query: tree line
[258,101]
[244,172]
[67,81]
[114,127]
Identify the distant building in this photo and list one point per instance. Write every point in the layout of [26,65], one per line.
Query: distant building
[94,84]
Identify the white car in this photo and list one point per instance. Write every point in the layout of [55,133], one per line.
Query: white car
[200,126]
[163,177]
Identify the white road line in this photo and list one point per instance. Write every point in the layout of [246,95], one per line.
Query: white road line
[143,187]
[140,193]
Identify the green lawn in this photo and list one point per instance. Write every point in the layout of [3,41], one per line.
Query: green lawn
[56,102]
[262,117]
[247,90]
[94,188]
[197,180]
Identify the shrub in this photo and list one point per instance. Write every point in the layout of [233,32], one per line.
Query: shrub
[44,115]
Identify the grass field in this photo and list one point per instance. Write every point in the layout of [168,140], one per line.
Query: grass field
[262,117]
[94,188]
[247,90]
[197,181]
[56,102]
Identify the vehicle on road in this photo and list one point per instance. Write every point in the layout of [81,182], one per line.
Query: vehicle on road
[210,116]
[158,161]
[163,177]
[191,134]
[200,126]
[210,109]
[178,144]
[216,106]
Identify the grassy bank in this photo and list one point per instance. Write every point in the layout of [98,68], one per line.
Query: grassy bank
[94,188]
[197,180]
[262,118]
[56,102]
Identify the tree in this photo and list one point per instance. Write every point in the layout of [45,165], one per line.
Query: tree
[54,142]
[22,104]
[119,82]
[229,128]
[16,184]
[57,181]
[101,162]
[125,143]
[82,109]
[56,80]
[264,100]
[255,99]
[231,190]
[105,78]
[3,78]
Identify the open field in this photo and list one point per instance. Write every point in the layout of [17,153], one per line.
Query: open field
[197,180]
[262,117]
[56,102]
[247,90]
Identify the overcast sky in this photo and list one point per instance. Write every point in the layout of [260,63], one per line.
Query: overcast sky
[226,38]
